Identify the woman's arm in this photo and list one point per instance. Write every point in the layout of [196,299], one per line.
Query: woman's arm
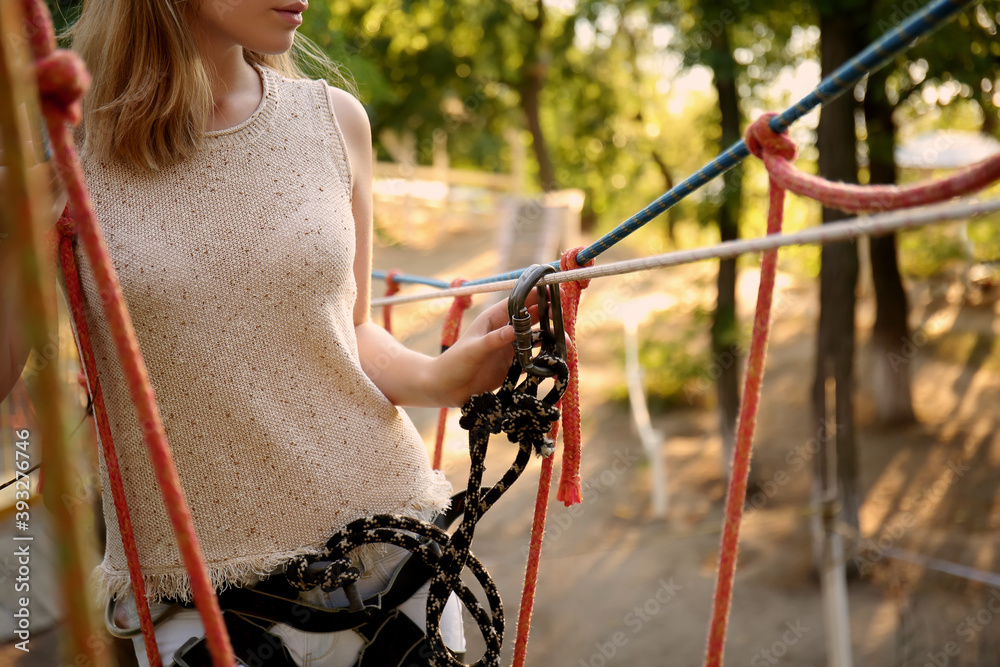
[478,362]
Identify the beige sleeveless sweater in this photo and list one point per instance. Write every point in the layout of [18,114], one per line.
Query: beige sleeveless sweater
[236,267]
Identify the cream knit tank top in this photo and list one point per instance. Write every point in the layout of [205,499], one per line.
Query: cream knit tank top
[236,267]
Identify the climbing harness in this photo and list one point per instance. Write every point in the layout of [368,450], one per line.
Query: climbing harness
[391,638]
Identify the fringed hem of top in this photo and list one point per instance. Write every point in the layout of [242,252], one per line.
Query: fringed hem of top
[115,583]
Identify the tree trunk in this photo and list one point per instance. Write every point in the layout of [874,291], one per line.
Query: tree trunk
[832,388]
[532,81]
[668,183]
[725,331]
[890,370]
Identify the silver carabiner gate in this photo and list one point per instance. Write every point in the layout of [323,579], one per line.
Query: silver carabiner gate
[521,320]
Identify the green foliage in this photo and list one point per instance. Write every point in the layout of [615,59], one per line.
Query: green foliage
[927,252]
[958,64]
[674,353]
[984,234]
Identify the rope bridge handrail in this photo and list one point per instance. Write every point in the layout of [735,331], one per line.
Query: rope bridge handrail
[876,55]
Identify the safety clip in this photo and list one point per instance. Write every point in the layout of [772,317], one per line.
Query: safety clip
[520,319]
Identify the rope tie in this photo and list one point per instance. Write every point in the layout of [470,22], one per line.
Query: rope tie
[569,491]
[773,150]
[452,325]
[62,82]
[763,142]
[391,288]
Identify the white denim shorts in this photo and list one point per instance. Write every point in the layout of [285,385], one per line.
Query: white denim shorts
[311,649]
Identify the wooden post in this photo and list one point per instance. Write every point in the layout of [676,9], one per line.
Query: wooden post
[833,576]
[651,438]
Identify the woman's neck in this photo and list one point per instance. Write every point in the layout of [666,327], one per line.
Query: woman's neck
[236,86]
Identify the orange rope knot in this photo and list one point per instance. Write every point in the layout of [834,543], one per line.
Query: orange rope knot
[62,81]
[570,490]
[762,139]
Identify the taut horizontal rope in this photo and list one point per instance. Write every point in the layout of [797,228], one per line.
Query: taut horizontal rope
[845,230]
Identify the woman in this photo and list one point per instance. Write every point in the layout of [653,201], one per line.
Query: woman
[235,197]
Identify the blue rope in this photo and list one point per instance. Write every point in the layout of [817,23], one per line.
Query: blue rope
[887,47]
[412,280]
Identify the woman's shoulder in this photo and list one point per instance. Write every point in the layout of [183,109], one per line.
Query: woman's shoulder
[350,114]
[346,110]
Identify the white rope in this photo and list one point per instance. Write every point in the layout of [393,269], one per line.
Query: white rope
[844,230]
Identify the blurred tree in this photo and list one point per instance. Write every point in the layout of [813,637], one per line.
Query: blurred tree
[711,32]
[842,35]
[965,52]
[462,67]
[959,64]
[890,379]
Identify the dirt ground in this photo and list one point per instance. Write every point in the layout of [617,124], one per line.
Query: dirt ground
[618,587]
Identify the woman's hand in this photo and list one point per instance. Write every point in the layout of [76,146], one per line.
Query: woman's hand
[476,363]
[479,360]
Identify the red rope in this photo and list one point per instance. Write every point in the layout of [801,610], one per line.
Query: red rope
[765,144]
[534,555]
[65,79]
[777,152]
[740,468]
[452,325]
[391,288]
[67,230]
[569,491]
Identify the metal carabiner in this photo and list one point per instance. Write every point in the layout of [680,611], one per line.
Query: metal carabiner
[521,320]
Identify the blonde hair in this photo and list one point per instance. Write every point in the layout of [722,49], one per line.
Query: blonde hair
[150,98]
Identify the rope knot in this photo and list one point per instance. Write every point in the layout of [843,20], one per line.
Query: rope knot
[482,411]
[62,82]
[66,225]
[529,421]
[463,302]
[762,139]
[391,286]
[568,262]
